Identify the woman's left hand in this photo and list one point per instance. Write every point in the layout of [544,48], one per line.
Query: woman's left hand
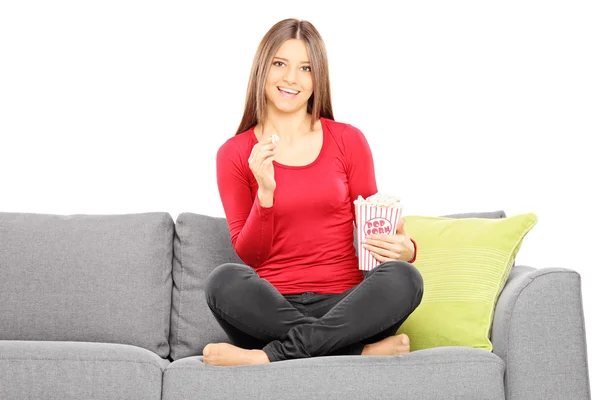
[391,247]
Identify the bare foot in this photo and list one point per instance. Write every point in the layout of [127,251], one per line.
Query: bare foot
[390,346]
[225,354]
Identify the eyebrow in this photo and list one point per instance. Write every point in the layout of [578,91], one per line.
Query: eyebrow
[285,59]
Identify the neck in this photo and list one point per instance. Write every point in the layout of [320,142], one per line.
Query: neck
[288,126]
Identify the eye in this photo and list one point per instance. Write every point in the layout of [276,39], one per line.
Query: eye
[278,64]
[306,68]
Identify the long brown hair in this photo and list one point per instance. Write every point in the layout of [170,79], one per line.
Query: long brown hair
[319,104]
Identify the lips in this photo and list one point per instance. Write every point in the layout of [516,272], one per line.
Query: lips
[288,93]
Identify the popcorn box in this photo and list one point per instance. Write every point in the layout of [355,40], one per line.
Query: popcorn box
[375,215]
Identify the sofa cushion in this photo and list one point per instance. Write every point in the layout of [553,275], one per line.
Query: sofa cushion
[464,263]
[201,244]
[92,278]
[450,372]
[78,370]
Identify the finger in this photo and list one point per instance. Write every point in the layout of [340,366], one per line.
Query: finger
[380,244]
[268,147]
[266,139]
[262,146]
[259,149]
[378,238]
[384,252]
[382,259]
[253,152]
[269,138]
[264,156]
[400,226]
[267,161]
[262,151]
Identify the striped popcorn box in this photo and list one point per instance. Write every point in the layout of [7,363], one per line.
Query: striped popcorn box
[378,214]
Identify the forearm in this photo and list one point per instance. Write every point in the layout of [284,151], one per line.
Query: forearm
[266,199]
[255,240]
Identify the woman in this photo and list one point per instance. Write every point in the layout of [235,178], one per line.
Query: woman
[289,207]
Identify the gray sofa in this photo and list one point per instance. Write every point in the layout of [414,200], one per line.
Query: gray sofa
[112,307]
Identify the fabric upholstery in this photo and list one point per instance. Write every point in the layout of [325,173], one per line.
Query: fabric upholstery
[433,374]
[479,214]
[201,244]
[94,278]
[78,370]
[539,331]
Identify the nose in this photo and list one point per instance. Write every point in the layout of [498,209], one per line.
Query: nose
[289,76]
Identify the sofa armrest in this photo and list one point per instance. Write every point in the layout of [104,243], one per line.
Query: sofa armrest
[539,332]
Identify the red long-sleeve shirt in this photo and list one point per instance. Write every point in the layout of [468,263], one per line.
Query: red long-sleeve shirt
[304,242]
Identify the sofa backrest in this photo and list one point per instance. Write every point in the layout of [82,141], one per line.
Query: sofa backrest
[94,278]
[133,279]
[201,244]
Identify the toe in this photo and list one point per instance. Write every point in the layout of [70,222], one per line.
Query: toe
[207,351]
[404,339]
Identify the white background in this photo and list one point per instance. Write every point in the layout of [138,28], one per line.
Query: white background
[120,106]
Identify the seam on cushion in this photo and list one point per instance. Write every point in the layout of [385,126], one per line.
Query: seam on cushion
[168,306]
[180,289]
[510,319]
[328,366]
[162,383]
[91,360]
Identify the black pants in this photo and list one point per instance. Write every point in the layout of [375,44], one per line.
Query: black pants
[255,315]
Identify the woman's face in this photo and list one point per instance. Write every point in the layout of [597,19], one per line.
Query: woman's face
[289,81]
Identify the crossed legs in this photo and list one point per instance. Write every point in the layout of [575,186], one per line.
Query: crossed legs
[265,326]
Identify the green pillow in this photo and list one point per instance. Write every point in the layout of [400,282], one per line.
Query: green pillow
[464,264]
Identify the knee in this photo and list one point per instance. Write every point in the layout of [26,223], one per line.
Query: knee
[407,279]
[223,280]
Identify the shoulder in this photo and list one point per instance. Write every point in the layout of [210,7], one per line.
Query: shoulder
[346,135]
[237,146]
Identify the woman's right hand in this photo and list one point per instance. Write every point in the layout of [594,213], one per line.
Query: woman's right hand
[261,165]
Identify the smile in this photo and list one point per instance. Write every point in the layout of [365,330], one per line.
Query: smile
[289,93]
